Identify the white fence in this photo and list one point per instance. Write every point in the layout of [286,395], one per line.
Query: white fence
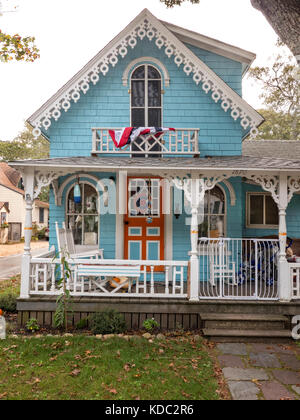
[158,279]
[295,280]
[238,269]
[182,141]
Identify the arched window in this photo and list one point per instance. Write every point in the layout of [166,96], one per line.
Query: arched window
[83,218]
[213,225]
[146,97]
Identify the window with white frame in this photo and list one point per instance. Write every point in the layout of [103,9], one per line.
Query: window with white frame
[213,223]
[83,217]
[146,100]
[262,211]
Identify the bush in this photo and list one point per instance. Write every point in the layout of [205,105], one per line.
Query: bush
[32,325]
[108,322]
[8,302]
[82,324]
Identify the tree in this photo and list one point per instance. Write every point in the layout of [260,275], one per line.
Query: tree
[14,47]
[18,48]
[281,94]
[24,146]
[278,126]
[283,16]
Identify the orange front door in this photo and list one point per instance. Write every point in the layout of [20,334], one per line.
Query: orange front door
[144,222]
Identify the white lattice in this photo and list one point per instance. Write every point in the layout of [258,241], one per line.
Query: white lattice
[147,26]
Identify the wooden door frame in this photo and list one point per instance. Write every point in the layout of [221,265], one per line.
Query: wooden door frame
[161,238]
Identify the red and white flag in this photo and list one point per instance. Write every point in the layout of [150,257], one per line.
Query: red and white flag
[128,134]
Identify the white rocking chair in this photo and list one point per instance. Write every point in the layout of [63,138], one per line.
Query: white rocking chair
[220,267]
[66,244]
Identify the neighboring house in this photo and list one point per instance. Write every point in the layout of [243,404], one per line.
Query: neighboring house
[13,209]
[160,75]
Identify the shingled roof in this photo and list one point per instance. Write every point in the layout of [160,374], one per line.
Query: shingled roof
[284,149]
[9,177]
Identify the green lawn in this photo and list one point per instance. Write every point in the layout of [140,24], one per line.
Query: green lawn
[83,367]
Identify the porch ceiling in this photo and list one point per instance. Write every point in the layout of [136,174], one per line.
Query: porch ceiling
[216,163]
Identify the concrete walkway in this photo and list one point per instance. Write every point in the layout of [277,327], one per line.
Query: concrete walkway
[261,371]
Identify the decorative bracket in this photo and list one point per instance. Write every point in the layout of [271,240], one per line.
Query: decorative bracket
[293,184]
[44,180]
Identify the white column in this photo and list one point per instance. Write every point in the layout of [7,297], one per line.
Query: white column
[28,179]
[285,287]
[194,260]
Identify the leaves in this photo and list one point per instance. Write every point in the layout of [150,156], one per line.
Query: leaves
[14,47]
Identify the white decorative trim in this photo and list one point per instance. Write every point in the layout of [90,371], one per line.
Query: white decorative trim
[44,180]
[269,183]
[146,25]
[293,184]
[231,192]
[146,60]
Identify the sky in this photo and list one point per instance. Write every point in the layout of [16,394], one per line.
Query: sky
[70,32]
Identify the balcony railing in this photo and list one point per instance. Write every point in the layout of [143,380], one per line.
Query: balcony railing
[182,141]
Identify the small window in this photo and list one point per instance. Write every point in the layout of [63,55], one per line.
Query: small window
[3,218]
[261,211]
[41,215]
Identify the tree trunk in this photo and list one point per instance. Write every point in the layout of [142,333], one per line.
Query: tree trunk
[284,17]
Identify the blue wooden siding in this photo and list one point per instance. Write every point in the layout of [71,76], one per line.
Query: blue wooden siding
[184,105]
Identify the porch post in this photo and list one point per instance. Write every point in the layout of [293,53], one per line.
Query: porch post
[285,287]
[28,179]
[194,259]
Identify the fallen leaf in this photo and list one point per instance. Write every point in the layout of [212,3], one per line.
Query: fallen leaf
[75,372]
[113,391]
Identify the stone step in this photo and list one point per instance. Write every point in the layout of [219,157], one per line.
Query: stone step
[220,335]
[244,325]
[242,317]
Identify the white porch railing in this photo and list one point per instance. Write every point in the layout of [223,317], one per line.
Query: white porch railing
[238,269]
[159,279]
[182,141]
[295,280]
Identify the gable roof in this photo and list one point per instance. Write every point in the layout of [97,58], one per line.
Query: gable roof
[5,205]
[9,177]
[286,149]
[146,25]
[213,45]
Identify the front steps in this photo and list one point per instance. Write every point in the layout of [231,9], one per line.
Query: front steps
[246,327]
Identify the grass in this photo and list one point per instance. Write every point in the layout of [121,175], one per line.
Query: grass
[83,367]
[11,286]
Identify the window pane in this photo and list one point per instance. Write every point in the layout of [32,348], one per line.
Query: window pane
[217,205]
[154,117]
[139,73]
[90,230]
[75,223]
[153,73]
[72,206]
[154,93]
[203,228]
[138,93]
[256,209]
[216,228]
[271,211]
[90,199]
[138,117]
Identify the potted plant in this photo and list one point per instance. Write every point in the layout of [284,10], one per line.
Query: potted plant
[4,233]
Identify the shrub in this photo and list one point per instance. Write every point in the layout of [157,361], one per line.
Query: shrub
[150,324]
[32,325]
[8,302]
[82,324]
[108,322]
